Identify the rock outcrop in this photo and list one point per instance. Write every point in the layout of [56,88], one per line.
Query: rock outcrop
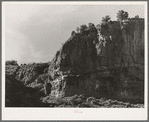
[29,73]
[77,55]
[104,63]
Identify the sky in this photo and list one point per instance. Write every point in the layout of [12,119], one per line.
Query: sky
[35,32]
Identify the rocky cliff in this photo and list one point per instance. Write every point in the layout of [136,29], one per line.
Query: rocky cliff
[77,55]
[123,56]
[102,62]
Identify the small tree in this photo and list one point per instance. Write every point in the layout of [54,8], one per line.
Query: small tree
[12,62]
[104,26]
[137,16]
[83,28]
[106,19]
[78,29]
[98,27]
[73,32]
[122,15]
[91,26]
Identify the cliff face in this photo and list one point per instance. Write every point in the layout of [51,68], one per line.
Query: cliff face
[77,55]
[123,45]
[123,55]
[99,64]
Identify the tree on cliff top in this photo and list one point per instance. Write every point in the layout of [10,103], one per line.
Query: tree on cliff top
[78,29]
[106,19]
[73,32]
[83,28]
[122,15]
[104,26]
[137,16]
[92,27]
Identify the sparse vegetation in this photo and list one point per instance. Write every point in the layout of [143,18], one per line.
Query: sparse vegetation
[137,16]
[73,32]
[78,30]
[106,19]
[122,15]
[12,62]
[83,28]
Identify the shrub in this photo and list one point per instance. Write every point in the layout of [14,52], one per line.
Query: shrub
[92,27]
[78,30]
[122,15]
[83,28]
[137,16]
[73,32]
[12,62]
[106,19]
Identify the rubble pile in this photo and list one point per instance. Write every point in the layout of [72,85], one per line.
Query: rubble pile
[84,102]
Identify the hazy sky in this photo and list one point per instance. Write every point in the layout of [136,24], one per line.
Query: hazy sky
[34,32]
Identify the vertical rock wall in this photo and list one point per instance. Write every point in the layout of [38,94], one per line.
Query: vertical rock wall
[123,55]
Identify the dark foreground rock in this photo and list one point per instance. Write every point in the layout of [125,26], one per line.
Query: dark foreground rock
[18,95]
